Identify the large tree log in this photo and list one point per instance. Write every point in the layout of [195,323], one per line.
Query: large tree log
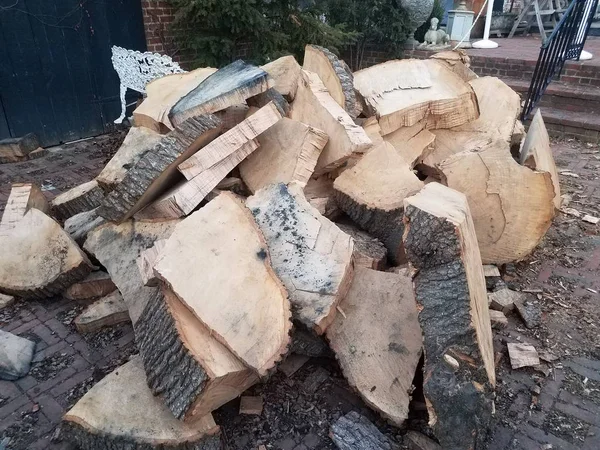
[288,152]
[23,197]
[162,94]
[372,194]
[39,258]
[156,171]
[537,154]
[84,197]
[512,206]
[285,71]
[335,74]
[377,340]
[310,254]
[120,413]
[83,223]
[459,375]
[138,141]
[355,432]
[404,92]
[315,107]
[229,86]
[247,309]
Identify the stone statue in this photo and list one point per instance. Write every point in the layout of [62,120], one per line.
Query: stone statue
[418,12]
[434,38]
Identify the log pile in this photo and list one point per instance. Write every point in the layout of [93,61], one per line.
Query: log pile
[258,213]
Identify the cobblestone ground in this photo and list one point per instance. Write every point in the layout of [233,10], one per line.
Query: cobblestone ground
[556,406]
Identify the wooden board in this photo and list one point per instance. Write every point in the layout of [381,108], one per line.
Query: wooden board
[228,86]
[372,193]
[537,154]
[108,311]
[43,260]
[23,197]
[377,340]
[315,107]
[147,260]
[459,374]
[288,151]
[512,206]
[138,141]
[83,223]
[162,94]
[228,143]
[335,75]
[95,285]
[310,254]
[404,92]
[246,309]
[99,420]
[156,171]
[369,252]
[285,71]
[84,197]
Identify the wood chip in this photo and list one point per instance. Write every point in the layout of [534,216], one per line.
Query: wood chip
[522,355]
[591,219]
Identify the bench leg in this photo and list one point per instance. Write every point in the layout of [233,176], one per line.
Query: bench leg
[123,105]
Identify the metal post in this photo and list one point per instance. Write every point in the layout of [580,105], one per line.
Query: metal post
[486,42]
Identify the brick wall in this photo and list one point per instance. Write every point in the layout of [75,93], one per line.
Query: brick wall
[158,16]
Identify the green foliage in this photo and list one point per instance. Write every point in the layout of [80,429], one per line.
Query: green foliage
[438,11]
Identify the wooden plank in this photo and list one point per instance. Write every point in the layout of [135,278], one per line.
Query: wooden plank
[450,290]
[229,86]
[310,254]
[285,71]
[247,310]
[288,151]
[315,107]
[82,198]
[105,312]
[377,340]
[23,197]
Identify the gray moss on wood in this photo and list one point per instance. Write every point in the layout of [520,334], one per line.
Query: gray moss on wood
[172,371]
[356,432]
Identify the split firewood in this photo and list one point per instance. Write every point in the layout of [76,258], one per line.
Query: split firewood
[251,297]
[512,206]
[43,260]
[356,432]
[457,61]
[156,170]
[232,116]
[285,72]
[288,151]
[412,148]
[310,254]
[147,260]
[504,299]
[228,143]
[251,405]
[23,197]
[404,92]
[372,194]
[459,374]
[233,184]
[537,154]
[83,223]
[490,270]
[498,319]
[18,149]
[84,197]
[100,421]
[321,196]
[138,141]
[270,95]
[315,107]
[369,252]
[373,130]
[335,74]
[228,86]
[162,94]
[382,367]
[105,312]
[95,285]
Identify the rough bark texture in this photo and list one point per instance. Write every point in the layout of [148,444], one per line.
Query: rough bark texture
[369,252]
[156,170]
[83,223]
[355,432]
[270,95]
[81,198]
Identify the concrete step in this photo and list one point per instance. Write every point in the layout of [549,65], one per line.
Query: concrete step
[579,125]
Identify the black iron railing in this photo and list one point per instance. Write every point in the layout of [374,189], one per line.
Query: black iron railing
[566,42]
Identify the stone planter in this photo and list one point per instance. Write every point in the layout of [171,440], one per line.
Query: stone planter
[502,23]
[418,12]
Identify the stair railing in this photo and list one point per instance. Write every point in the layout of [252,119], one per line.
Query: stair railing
[565,43]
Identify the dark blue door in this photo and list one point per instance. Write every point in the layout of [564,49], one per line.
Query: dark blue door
[56,75]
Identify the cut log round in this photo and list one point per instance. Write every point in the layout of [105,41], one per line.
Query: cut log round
[84,197]
[285,71]
[288,152]
[315,107]
[23,197]
[334,73]
[247,310]
[138,141]
[355,432]
[99,421]
[310,254]
[43,260]
[156,171]
[162,94]
[404,92]
[377,340]
[228,86]
[372,194]
[95,285]
[459,375]
[108,311]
